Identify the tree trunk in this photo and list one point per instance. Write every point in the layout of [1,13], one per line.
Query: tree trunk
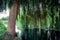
[12,17]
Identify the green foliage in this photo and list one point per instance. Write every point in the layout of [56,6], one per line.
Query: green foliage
[31,14]
[2,30]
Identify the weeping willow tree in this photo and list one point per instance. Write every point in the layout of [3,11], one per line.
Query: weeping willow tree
[42,14]
[39,14]
[31,8]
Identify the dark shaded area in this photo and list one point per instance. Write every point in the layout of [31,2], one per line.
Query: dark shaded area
[51,3]
[34,34]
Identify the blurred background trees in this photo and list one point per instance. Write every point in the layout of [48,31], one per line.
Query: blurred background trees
[35,15]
